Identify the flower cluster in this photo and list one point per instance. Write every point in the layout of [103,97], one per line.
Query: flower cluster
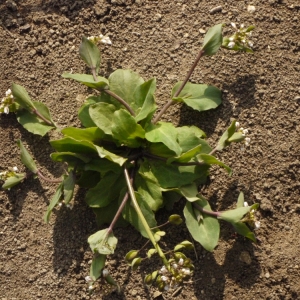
[244,132]
[251,219]
[7,174]
[181,269]
[240,39]
[6,102]
[103,39]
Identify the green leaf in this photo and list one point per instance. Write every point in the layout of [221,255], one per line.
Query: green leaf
[126,84]
[150,191]
[103,166]
[190,192]
[88,179]
[106,191]
[211,160]
[240,201]
[234,215]
[212,40]
[97,266]
[26,158]
[125,129]
[70,157]
[242,229]
[88,80]
[236,137]
[144,98]
[103,153]
[223,142]
[189,137]
[103,242]
[92,134]
[188,156]
[207,231]
[90,54]
[69,184]
[102,115]
[68,144]
[165,133]
[200,97]
[12,181]
[84,115]
[54,201]
[21,97]
[130,215]
[32,123]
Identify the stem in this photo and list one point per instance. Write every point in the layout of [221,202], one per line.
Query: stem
[170,102]
[40,175]
[214,214]
[36,112]
[213,151]
[119,99]
[143,220]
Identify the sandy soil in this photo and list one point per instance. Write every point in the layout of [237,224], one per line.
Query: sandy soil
[39,41]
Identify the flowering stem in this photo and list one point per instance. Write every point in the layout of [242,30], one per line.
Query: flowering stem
[36,112]
[119,99]
[214,214]
[171,102]
[143,220]
[40,175]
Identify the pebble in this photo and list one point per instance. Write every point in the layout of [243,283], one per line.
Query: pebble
[202,30]
[157,17]
[245,257]
[267,275]
[215,9]
[251,8]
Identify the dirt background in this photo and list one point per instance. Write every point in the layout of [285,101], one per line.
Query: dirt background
[39,41]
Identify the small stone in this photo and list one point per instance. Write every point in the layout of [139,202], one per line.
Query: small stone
[251,8]
[245,257]
[215,9]
[267,275]
[157,17]
[202,30]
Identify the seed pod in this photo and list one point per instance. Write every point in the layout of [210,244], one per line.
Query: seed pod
[131,255]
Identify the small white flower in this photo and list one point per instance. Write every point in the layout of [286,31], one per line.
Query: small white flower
[237,125]
[180,262]
[256,224]
[250,44]
[242,26]
[164,278]
[163,270]
[246,204]
[186,271]
[231,39]
[247,141]
[245,131]
[175,266]
[15,169]
[88,279]
[6,110]
[91,288]
[231,44]
[60,204]
[105,272]
[105,40]
[233,25]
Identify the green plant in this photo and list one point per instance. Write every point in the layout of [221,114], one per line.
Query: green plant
[125,152]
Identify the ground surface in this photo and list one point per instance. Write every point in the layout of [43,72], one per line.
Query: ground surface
[39,41]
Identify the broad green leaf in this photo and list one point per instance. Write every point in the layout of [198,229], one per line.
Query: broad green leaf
[207,231]
[213,40]
[32,122]
[103,242]
[26,158]
[102,166]
[54,201]
[211,160]
[12,181]
[240,201]
[88,179]
[242,229]
[165,133]
[190,192]
[223,142]
[200,97]
[69,185]
[125,84]
[68,144]
[90,54]
[234,215]
[144,99]
[103,153]
[97,266]
[150,191]
[84,115]
[125,129]
[92,134]
[130,215]
[188,156]
[171,176]
[88,80]
[170,198]
[102,115]
[21,97]
[161,150]
[70,157]
[106,191]
[189,137]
